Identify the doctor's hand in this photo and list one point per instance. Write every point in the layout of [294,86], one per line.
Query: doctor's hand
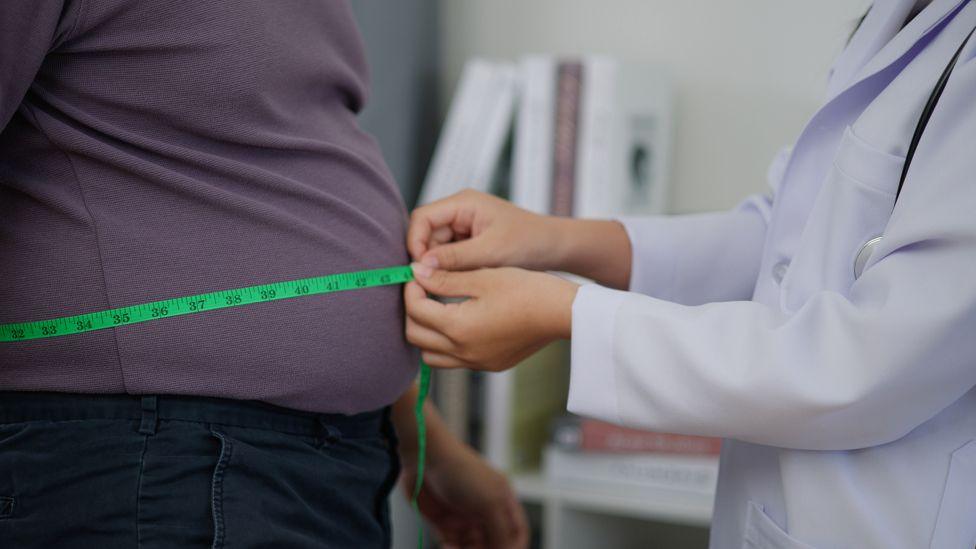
[510,313]
[470,230]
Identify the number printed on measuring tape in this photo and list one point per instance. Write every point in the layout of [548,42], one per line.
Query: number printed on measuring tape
[194,304]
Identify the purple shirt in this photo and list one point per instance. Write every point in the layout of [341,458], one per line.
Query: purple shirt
[158,149]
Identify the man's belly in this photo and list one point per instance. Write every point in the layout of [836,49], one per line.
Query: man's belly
[342,352]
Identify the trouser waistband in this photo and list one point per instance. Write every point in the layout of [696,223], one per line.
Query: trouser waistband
[19,407]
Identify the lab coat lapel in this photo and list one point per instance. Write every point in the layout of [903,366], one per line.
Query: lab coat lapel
[820,138]
[880,24]
[891,15]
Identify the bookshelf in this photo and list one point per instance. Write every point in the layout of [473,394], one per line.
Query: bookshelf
[579,514]
[662,505]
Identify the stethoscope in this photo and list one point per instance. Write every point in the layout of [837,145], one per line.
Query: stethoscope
[868,248]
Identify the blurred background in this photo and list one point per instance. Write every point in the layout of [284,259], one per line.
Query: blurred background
[746,75]
[708,91]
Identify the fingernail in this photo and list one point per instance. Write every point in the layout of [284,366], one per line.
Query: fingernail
[430,260]
[421,271]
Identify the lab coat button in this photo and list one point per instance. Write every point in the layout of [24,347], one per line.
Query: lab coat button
[779,270]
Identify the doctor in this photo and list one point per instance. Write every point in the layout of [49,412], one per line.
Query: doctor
[842,375]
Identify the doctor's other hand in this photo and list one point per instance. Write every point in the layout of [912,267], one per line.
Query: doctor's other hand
[470,230]
[509,314]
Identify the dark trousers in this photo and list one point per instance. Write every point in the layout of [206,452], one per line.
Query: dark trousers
[115,471]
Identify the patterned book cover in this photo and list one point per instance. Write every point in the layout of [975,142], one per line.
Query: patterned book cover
[569,83]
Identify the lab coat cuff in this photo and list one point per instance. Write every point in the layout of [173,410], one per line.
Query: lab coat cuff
[592,379]
[652,253]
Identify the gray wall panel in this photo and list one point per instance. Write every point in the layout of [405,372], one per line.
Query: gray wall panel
[401,45]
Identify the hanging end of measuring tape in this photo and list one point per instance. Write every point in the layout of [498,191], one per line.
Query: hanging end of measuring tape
[418,412]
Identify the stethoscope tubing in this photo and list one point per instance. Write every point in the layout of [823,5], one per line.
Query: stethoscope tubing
[923,119]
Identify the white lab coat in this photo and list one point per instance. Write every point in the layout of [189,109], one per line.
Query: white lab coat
[848,405]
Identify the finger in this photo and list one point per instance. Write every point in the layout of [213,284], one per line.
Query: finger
[424,220]
[424,310]
[441,360]
[429,340]
[440,236]
[418,233]
[448,283]
[462,255]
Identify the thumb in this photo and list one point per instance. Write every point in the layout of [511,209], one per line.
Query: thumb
[462,255]
[447,283]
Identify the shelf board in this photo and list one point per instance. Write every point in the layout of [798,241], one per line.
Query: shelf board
[667,505]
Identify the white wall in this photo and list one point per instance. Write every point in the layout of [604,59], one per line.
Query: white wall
[747,74]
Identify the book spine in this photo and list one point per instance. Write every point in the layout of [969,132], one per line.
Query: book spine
[598,193]
[446,163]
[452,399]
[474,131]
[532,162]
[494,126]
[498,414]
[569,79]
[590,435]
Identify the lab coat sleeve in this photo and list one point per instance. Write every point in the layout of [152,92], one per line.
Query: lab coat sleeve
[28,30]
[702,258]
[698,258]
[841,372]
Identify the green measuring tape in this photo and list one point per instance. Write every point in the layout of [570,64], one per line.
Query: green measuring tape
[194,304]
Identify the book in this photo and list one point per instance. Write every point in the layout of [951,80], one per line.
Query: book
[648,470]
[578,434]
[477,123]
[565,138]
[531,185]
[624,139]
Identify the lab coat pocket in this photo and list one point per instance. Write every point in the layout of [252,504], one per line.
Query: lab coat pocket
[762,533]
[852,207]
[955,526]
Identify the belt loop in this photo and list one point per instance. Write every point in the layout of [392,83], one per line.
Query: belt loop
[330,434]
[149,416]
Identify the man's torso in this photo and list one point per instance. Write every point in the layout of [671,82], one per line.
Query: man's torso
[169,149]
